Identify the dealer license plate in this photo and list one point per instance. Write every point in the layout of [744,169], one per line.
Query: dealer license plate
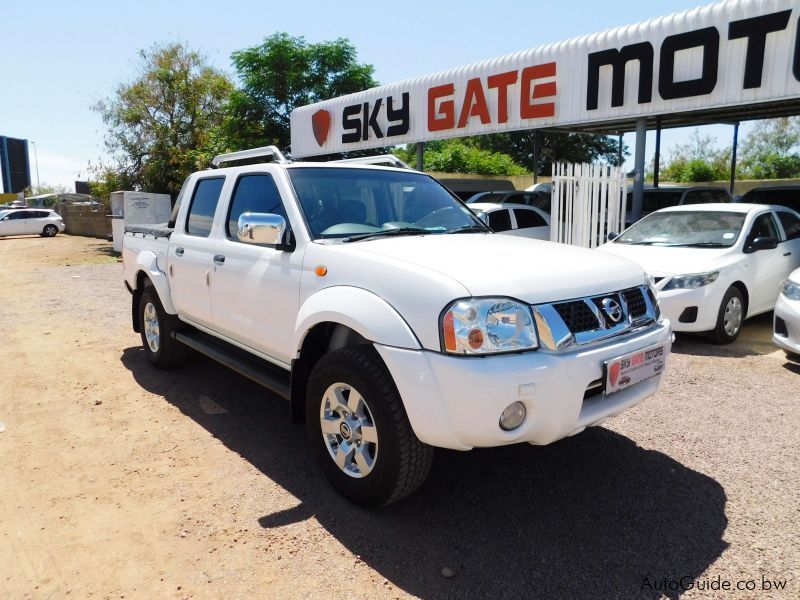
[627,370]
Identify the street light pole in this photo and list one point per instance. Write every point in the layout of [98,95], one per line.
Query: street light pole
[36,158]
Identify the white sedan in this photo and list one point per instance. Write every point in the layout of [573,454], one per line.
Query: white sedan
[27,221]
[786,323]
[514,219]
[714,265]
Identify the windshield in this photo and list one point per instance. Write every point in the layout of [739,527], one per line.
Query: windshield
[362,203]
[711,229]
[3,213]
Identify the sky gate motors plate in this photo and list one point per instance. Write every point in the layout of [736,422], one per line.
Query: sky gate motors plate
[630,369]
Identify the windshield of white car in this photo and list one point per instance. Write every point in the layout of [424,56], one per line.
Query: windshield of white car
[362,204]
[3,213]
[698,229]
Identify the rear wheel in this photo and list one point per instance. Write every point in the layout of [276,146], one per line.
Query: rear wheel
[157,327]
[730,317]
[359,430]
[49,231]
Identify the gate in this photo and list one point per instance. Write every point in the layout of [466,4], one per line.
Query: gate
[588,202]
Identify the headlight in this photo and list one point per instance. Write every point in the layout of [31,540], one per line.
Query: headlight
[690,282]
[790,290]
[487,326]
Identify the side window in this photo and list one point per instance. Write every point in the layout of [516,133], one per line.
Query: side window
[253,193]
[42,214]
[791,225]
[500,220]
[528,218]
[719,196]
[763,226]
[204,203]
[20,214]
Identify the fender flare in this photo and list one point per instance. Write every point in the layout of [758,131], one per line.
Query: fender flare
[147,263]
[364,312]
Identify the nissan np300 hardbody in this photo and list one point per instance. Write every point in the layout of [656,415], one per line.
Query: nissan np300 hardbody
[390,316]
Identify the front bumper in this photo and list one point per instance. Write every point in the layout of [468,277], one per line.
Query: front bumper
[707,299]
[789,311]
[455,402]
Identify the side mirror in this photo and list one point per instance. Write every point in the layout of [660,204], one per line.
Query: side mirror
[763,243]
[612,235]
[261,228]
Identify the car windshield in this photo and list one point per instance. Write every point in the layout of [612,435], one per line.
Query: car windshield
[3,213]
[354,204]
[709,229]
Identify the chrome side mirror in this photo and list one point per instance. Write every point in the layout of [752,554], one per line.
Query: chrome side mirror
[261,228]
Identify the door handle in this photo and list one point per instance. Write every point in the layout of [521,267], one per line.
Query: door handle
[787,253]
[178,251]
[219,259]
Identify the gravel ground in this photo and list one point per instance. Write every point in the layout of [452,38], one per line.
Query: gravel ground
[119,480]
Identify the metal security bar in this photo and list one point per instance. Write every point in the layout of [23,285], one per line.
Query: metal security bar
[588,202]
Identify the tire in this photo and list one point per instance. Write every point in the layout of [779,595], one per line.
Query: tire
[729,318]
[49,231]
[382,460]
[157,326]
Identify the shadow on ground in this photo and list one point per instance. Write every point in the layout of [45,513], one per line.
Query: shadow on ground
[591,516]
[755,339]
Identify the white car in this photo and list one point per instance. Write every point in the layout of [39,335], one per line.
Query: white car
[787,315]
[514,219]
[27,221]
[714,265]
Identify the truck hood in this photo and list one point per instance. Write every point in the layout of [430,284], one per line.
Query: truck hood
[664,261]
[498,265]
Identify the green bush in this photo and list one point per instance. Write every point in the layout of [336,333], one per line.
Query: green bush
[455,156]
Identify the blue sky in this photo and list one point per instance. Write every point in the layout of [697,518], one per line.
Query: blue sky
[58,58]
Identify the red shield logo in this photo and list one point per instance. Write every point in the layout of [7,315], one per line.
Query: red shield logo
[321,124]
[613,372]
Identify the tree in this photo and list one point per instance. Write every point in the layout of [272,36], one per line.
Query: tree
[163,124]
[283,73]
[697,160]
[553,147]
[461,156]
[772,150]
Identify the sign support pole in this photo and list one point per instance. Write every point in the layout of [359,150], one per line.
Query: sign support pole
[638,178]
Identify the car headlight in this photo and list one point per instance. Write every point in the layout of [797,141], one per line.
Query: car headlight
[790,290]
[690,282]
[487,326]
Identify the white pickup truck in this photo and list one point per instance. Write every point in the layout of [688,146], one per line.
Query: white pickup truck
[391,318]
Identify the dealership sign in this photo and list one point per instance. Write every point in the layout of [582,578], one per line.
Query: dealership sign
[737,52]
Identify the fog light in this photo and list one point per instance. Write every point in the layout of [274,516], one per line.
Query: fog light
[512,416]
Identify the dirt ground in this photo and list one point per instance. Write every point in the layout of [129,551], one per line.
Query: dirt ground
[121,481]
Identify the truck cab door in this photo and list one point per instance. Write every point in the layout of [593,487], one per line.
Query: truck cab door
[255,289]
[190,252]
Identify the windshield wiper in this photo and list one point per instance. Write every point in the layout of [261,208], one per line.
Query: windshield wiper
[702,245]
[386,232]
[470,229]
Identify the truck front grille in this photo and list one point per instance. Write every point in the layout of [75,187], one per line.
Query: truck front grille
[580,321]
[634,298]
[577,316]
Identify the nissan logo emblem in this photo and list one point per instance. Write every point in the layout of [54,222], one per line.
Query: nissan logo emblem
[612,309]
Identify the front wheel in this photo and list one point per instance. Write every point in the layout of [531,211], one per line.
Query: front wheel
[359,430]
[730,317]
